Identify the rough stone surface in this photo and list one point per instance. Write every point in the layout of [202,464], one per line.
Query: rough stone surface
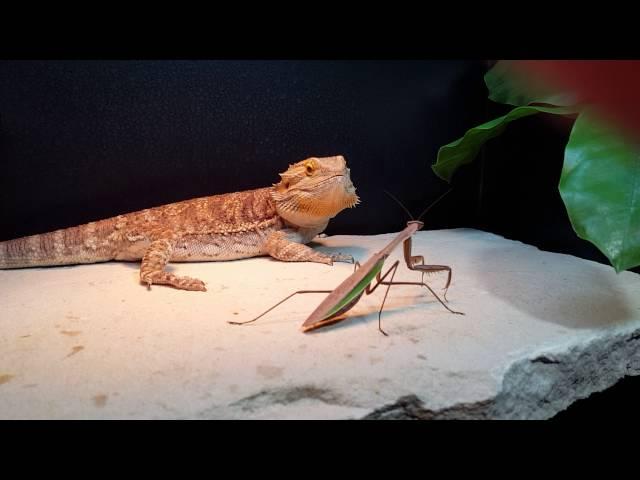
[541,330]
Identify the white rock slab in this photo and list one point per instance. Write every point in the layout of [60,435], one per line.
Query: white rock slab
[541,330]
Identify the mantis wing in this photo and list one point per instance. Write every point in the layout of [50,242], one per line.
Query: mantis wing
[345,296]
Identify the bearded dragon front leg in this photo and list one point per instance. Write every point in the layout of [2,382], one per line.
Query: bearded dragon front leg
[155,260]
[282,248]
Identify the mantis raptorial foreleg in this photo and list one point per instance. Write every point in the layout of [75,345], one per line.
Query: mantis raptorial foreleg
[417,263]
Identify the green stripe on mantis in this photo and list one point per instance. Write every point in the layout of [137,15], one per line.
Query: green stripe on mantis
[357,290]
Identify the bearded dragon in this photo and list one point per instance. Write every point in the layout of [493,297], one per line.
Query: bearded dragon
[276,221]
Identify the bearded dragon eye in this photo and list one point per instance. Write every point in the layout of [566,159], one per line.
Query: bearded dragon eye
[309,169]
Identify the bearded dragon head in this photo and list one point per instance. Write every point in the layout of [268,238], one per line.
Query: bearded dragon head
[314,190]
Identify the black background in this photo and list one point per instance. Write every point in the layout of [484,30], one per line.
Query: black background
[84,140]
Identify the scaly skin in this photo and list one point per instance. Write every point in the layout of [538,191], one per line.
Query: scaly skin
[277,221]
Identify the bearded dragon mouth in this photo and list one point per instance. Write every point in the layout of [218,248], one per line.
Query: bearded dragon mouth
[351,198]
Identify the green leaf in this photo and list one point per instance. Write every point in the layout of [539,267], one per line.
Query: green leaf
[600,186]
[508,84]
[464,150]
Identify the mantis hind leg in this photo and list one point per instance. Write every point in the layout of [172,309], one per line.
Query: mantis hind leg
[279,303]
[380,280]
[428,288]
[392,270]
[434,269]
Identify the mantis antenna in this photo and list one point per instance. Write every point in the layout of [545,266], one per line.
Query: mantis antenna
[425,210]
[433,203]
[399,203]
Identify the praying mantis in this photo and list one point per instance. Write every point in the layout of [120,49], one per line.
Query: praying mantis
[346,295]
